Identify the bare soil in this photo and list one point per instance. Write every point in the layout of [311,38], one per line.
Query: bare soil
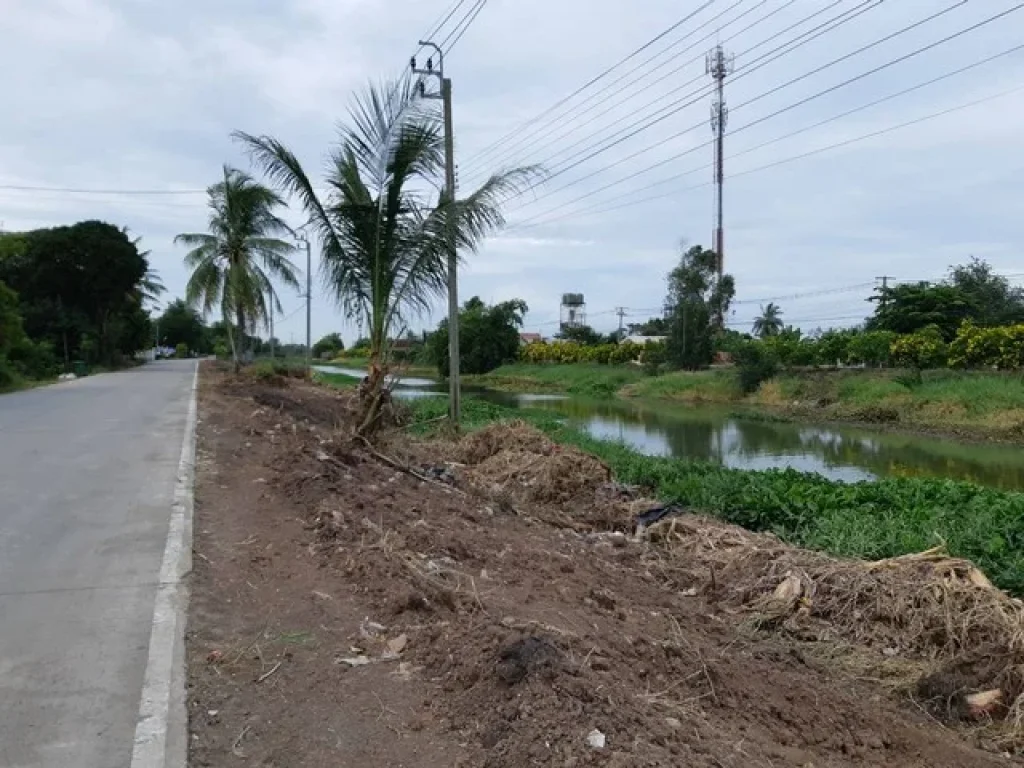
[347,613]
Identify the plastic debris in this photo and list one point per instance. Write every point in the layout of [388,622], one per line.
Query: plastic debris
[595,739]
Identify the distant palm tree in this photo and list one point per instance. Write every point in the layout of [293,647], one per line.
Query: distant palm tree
[770,321]
[234,264]
[383,231]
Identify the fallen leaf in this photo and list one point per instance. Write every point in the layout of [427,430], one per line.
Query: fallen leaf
[397,645]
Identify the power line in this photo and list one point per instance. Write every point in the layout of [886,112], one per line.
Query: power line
[801,102]
[636,52]
[685,101]
[599,210]
[634,92]
[465,23]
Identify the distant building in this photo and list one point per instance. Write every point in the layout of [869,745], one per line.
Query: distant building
[530,338]
[643,339]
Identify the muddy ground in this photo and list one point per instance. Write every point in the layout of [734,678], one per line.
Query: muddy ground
[346,613]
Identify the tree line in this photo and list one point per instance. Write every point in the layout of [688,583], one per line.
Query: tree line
[72,293]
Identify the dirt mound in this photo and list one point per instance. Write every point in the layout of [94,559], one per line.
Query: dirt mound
[517,461]
[948,633]
[516,435]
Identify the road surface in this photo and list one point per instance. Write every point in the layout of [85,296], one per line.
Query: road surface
[87,476]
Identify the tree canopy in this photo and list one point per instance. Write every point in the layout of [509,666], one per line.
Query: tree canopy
[385,234]
[80,289]
[331,344]
[235,263]
[488,336]
[695,299]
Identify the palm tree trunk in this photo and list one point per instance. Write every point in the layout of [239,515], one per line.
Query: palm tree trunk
[240,344]
[234,347]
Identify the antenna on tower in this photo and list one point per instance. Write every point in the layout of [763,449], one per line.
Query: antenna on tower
[719,65]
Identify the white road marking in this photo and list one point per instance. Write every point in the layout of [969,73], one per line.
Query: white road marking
[160,740]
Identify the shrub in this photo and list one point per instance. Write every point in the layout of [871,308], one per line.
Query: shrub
[181,350]
[756,363]
[220,349]
[921,350]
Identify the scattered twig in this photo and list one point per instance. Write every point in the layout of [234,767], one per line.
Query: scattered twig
[265,675]
[235,748]
[394,463]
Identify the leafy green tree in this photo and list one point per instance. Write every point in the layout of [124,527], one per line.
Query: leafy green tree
[833,346]
[582,334]
[871,347]
[180,324]
[330,344]
[235,263]
[921,350]
[488,336]
[656,326]
[695,300]
[384,236]
[12,331]
[82,281]
[769,322]
[909,307]
[992,299]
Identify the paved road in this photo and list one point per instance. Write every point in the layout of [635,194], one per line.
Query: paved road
[87,475]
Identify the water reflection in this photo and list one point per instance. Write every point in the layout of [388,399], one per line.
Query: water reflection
[733,440]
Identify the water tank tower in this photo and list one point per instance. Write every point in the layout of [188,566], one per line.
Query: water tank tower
[574,311]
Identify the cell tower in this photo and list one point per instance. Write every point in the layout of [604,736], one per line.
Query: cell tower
[719,65]
[574,311]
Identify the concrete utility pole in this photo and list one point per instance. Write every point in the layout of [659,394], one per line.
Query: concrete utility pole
[621,312]
[885,287]
[719,64]
[302,237]
[454,389]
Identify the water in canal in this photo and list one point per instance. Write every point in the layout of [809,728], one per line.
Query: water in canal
[732,440]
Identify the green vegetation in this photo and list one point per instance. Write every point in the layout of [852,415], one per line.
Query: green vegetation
[71,294]
[328,347]
[233,265]
[385,238]
[488,336]
[870,520]
[586,379]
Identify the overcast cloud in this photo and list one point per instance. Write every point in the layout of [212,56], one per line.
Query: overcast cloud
[143,94]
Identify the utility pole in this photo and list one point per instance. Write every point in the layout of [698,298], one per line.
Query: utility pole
[302,237]
[454,390]
[883,301]
[719,65]
[621,312]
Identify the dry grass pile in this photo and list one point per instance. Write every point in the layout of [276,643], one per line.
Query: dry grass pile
[963,639]
[515,435]
[514,460]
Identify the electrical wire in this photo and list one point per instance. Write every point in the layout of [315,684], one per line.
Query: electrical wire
[633,54]
[801,102]
[677,106]
[600,210]
[471,16]
[701,92]
[634,92]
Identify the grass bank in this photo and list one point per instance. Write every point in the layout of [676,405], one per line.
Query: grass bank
[870,520]
[584,379]
[970,404]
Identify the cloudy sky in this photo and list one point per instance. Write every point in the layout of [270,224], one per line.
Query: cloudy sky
[142,95]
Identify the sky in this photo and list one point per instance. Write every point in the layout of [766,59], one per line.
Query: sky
[142,95]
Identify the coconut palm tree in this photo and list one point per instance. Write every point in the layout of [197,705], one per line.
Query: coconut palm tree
[383,227]
[770,321]
[234,264]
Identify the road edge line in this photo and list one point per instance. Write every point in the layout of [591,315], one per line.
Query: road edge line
[160,731]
